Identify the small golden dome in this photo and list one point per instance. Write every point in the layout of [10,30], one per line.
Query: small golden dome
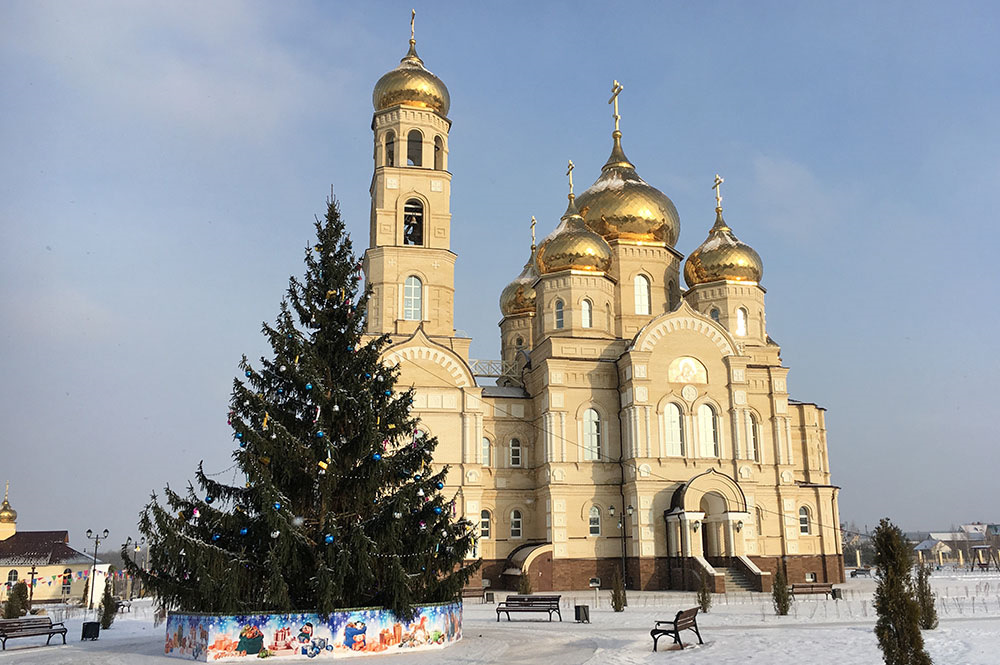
[621,205]
[7,514]
[411,84]
[572,246]
[518,297]
[722,256]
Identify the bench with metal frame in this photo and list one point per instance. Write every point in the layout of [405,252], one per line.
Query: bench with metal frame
[825,588]
[685,620]
[518,603]
[29,627]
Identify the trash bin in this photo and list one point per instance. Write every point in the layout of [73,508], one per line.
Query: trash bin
[581,613]
[490,597]
[838,594]
[91,630]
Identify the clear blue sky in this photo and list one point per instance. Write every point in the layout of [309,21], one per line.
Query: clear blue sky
[162,163]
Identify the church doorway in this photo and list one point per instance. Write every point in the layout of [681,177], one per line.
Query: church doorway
[713,540]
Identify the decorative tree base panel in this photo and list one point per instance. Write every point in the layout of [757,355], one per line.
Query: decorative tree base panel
[345,634]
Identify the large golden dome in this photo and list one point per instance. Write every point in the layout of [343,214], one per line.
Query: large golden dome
[622,206]
[411,84]
[722,256]
[572,246]
[518,297]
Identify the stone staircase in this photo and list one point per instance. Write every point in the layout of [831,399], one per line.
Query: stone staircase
[736,579]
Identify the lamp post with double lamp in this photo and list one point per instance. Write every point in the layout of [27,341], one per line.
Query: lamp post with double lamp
[139,544]
[96,537]
[623,527]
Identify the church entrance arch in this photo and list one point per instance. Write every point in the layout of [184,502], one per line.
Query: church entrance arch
[713,540]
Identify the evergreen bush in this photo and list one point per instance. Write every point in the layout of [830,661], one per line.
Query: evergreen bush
[86,593]
[925,598]
[898,623]
[524,584]
[17,602]
[704,595]
[618,600]
[781,596]
[108,607]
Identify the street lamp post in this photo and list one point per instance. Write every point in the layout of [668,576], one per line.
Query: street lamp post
[623,526]
[96,537]
[138,548]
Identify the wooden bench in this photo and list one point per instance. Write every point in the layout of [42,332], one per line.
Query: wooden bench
[685,620]
[861,572]
[474,592]
[515,603]
[123,605]
[29,626]
[811,587]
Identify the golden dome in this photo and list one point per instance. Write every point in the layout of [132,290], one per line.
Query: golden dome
[621,205]
[518,297]
[572,246]
[411,84]
[7,514]
[722,256]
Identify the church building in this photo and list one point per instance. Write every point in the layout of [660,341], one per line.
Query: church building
[636,425]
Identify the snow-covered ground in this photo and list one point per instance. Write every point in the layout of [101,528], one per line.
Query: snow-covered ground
[740,628]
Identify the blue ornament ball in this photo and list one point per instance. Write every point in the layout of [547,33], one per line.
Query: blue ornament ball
[367,375]
[319,435]
[440,486]
[215,536]
[243,531]
[437,509]
[416,477]
[209,499]
[328,538]
[376,457]
[277,505]
[247,373]
[281,391]
[239,435]
[388,392]
[309,386]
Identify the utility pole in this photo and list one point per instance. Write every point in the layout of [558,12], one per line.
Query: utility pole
[96,537]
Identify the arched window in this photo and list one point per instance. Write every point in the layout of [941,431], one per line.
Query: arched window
[595,521]
[413,222]
[674,421]
[804,521]
[518,342]
[487,452]
[642,295]
[413,291]
[390,148]
[587,309]
[438,153]
[753,445]
[714,313]
[11,578]
[414,148]
[741,322]
[484,525]
[515,452]
[67,581]
[559,314]
[591,435]
[708,432]
[515,524]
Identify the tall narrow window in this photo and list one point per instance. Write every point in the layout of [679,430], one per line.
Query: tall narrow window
[438,153]
[67,581]
[559,314]
[515,452]
[741,322]
[515,524]
[587,310]
[484,525]
[595,521]
[413,291]
[714,313]
[753,447]
[12,578]
[591,435]
[675,430]
[413,222]
[487,452]
[642,295]
[804,525]
[390,148]
[414,148]
[708,432]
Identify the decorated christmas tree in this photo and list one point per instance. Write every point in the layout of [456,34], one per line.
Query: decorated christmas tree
[338,505]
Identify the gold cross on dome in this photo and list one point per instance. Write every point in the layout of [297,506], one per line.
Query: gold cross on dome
[616,89]
[413,17]
[532,232]
[569,172]
[718,190]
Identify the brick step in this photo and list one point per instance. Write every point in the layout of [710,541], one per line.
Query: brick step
[735,579]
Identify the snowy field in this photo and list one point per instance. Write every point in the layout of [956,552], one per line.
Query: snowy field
[740,628]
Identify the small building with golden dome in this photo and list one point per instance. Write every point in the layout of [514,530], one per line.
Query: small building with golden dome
[635,425]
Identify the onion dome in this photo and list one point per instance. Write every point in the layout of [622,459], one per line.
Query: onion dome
[7,514]
[573,246]
[518,297]
[622,206]
[722,257]
[411,84]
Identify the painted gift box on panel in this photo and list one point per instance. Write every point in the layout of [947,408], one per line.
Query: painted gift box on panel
[344,634]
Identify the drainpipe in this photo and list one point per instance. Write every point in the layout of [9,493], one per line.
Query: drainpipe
[621,466]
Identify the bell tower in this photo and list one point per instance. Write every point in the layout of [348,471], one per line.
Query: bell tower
[409,263]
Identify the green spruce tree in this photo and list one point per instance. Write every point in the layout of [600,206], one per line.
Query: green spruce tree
[17,601]
[86,592]
[618,601]
[781,596]
[925,598]
[898,624]
[704,595]
[108,607]
[340,505]
[524,584]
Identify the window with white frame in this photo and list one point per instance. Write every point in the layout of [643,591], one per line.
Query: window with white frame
[515,452]
[753,446]
[642,305]
[591,435]
[487,452]
[413,296]
[560,321]
[12,578]
[674,421]
[708,432]
[595,521]
[587,313]
[741,322]
[484,525]
[515,523]
[805,521]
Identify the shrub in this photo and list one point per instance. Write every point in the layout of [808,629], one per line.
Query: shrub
[17,602]
[704,595]
[618,601]
[780,595]
[524,584]
[108,607]
[925,598]
[898,624]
